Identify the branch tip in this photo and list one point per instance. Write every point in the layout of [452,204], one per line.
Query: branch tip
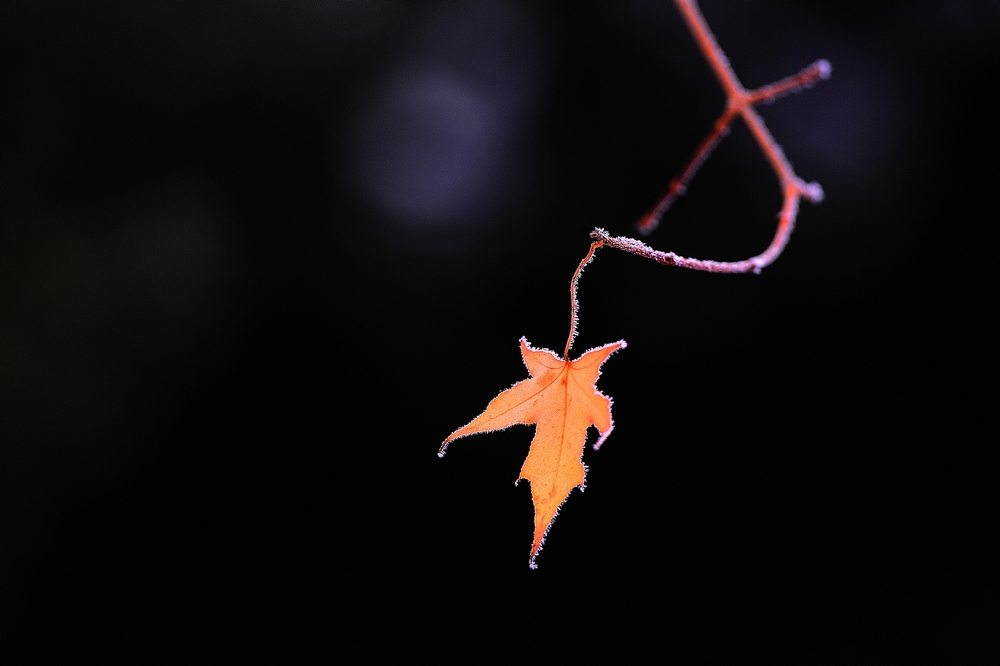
[812,191]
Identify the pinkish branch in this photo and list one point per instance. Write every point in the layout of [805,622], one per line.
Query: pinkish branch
[740,103]
[786,222]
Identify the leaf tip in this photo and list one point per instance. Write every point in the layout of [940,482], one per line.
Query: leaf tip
[534,553]
[600,440]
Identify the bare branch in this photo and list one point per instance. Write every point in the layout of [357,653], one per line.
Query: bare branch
[740,103]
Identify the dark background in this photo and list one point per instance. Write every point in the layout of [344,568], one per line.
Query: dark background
[258,259]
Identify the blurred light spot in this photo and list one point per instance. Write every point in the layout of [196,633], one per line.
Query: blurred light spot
[433,145]
[426,151]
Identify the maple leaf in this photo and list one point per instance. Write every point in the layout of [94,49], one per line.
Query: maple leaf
[561,399]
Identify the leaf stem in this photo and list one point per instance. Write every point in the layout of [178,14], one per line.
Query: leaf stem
[574,304]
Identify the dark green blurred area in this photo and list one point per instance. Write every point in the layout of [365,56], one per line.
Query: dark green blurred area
[258,259]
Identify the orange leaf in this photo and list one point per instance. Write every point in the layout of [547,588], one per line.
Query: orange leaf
[562,400]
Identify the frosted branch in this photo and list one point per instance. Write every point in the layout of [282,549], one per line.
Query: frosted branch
[740,102]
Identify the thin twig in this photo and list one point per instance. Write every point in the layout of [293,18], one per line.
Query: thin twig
[786,222]
[807,78]
[678,185]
